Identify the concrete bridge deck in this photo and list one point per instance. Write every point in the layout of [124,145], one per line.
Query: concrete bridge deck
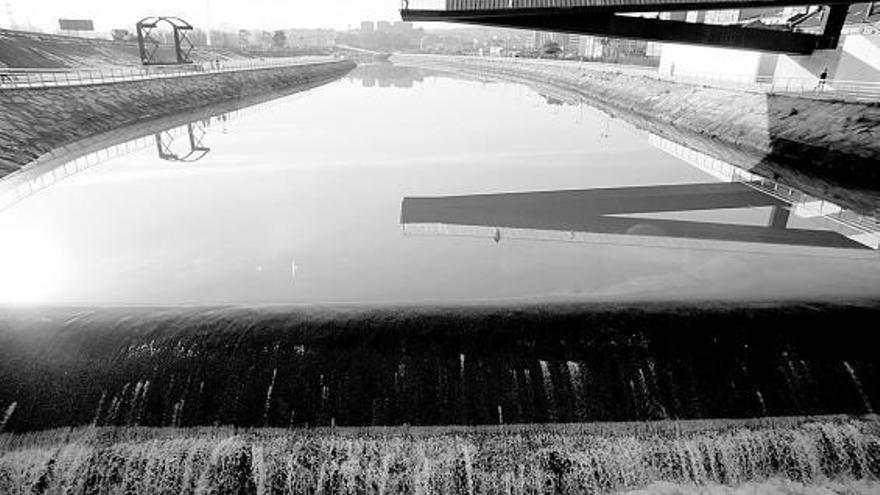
[599,17]
[452,9]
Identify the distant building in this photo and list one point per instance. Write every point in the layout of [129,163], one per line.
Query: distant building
[121,35]
[383,26]
[403,27]
[591,47]
[368,26]
[542,38]
[570,43]
[77,27]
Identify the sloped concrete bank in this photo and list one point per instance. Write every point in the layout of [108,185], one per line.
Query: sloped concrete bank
[827,148]
[35,121]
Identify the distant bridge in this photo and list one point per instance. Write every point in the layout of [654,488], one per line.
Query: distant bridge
[601,17]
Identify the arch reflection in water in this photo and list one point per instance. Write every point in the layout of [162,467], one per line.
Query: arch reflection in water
[195,133]
[178,143]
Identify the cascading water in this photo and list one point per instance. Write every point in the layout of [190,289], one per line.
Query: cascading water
[189,368]
[549,393]
[268,404]
[858,384]
[6,415]
[277,368]
[577,386]
[520,460]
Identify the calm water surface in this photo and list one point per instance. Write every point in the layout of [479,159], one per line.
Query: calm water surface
[396,186]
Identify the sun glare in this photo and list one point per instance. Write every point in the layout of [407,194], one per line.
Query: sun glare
[30,265]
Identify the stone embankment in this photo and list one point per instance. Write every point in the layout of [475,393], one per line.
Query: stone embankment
[811,143]
[34,121]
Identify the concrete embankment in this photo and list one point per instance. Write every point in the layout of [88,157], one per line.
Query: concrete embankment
[35,121]
[816,145]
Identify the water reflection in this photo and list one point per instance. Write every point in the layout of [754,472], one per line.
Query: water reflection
[182,143]
[860,228]
[309,192]
[601,211]
[194,138]
[385,75]
[591,215]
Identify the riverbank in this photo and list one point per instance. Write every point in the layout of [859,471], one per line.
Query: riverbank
[826,148]
[805,456]
[36,121]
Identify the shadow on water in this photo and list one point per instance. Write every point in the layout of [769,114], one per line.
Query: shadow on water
[596,211]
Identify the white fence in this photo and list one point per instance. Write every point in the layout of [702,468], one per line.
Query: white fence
[46,78]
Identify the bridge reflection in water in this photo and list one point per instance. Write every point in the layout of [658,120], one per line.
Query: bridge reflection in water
[612,215]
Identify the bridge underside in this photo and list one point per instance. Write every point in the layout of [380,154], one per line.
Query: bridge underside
[601,21]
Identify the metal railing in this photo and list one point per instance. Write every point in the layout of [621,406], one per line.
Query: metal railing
[855,226]
[47,78]
[810,86]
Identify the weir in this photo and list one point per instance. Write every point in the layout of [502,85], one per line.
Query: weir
[285,368]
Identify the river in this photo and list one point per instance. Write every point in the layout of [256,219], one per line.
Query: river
[401,186]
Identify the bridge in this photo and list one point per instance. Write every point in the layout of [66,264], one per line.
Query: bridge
[620,18]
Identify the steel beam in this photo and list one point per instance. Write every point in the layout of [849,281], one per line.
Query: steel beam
[835,18]
[604,7]
[657,30]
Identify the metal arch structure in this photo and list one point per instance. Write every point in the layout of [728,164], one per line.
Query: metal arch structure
[195,132]
[149,45]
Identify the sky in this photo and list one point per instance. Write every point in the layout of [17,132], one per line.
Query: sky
[264,14]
